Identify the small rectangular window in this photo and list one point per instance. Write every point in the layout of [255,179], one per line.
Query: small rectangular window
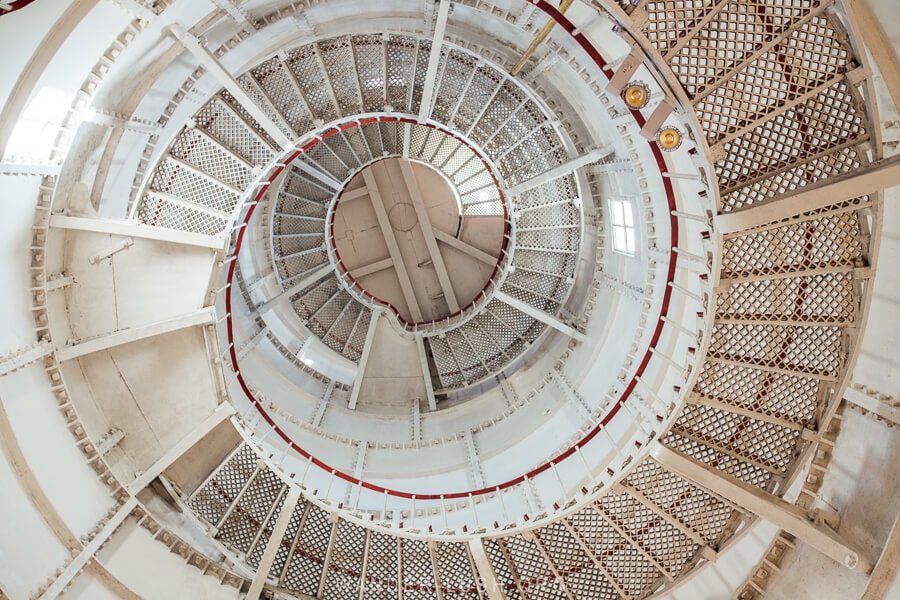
[622,226]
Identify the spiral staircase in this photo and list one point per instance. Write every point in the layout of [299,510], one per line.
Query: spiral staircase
[757,325]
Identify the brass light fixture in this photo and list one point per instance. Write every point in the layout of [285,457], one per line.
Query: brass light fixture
[636,95]
[669,138]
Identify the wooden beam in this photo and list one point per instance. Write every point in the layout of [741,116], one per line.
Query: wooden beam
[789,517]
[885,570]
[379,265]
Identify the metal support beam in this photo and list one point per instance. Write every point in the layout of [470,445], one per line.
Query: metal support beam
[462,246]
[274,543]
[426,373]
[29,169]
[129,228]
[875,406]
[492,586]
[203,316]
[393,248]
[364,359]
[80,562]
[879,45]
[222,413]
[297,287]
[886,568]
[415,195]
[789,517]
[370,268]
[563,169]
[25,357]
[434,60]
[867,180]
[212,64]
[539,315]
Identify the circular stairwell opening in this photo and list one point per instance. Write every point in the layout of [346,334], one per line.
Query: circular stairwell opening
[399,235]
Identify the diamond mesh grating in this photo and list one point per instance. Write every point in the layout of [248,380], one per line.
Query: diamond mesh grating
[829,241]
[280,88]
[382,568]
[681,499]
[305,569]
[213,499]
[343,579]
[249,515]
[458,580]
[216,119]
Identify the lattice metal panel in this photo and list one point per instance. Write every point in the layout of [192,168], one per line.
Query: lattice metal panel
[369,51]
[807,143]
[789,397]
[804,350]
[715,458]
[158,212]
[502,569]
[528,296]
[633,573]
[308,301]
[391,137]
[304,63]
[307,187]
[449,372]
[421,68]
[219,121]
[582,577]
[288,224]
[248,517]
[484,84]
[256,93]
[323,321]
[468,359]
[667,545]
[297,265]
[458,580]
[340,146]
[669,20]
[683,500]
[340,67]
[358,145]
[343,579]
[210,157]
[536,577]
[732,37]
[418,571]
[213,499]
[500,333]
[177,180]
[764,444]
[821,243]
[382,570]
[487,347]
[339,333]
[452,86]
[357,339]
[401,60]
[507,102]
[305,569]
[519,322]
[281,90]
[242,113]
[827,298]
[287,543]
[811,58]
[299,206]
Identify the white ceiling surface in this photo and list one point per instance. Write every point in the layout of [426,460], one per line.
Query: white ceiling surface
[867,501]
